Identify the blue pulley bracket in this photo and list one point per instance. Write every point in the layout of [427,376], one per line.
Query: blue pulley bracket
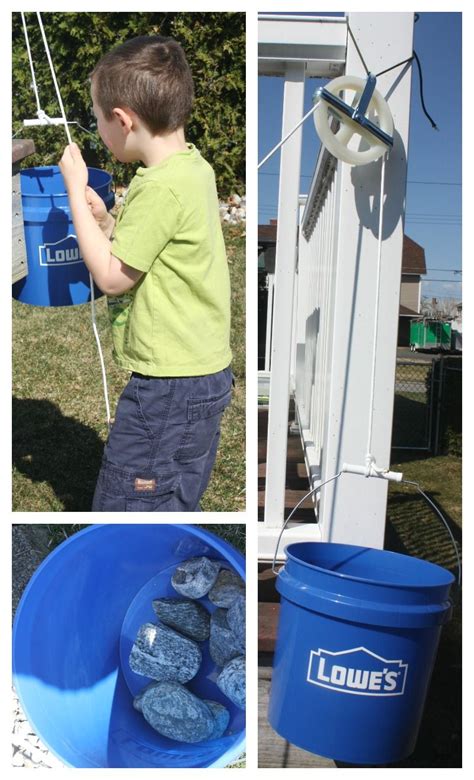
[357,114]
[368,116]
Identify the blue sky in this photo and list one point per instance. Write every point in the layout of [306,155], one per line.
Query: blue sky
[433,204]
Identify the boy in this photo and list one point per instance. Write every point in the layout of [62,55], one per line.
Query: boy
[166,277]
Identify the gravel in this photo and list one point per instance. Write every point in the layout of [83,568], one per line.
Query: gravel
[28,750]
[29,547]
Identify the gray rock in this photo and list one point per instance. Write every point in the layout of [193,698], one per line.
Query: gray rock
[236,619]
[175,712]
[231,681]
[223,644]
[188,617]
[137,702]
[227,588]
[163,654]
[194,578]
[221,718]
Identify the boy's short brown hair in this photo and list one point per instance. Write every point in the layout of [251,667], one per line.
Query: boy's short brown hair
[150,75]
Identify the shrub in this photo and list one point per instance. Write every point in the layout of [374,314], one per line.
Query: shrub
[214,44]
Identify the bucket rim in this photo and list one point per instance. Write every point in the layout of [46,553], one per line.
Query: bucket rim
[56,167]
[238,748]
[386,583]
[108,179]
[96,527]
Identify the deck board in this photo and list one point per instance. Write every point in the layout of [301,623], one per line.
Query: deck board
[297,483]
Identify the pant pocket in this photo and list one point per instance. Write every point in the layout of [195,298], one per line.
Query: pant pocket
[203,420]
[152,493]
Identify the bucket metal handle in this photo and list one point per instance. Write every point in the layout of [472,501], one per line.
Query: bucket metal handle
[445,522]
[403,481]
[313,490]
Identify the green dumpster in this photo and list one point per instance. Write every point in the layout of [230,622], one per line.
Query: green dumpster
[430,334]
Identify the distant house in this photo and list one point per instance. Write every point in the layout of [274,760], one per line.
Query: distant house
[413,268]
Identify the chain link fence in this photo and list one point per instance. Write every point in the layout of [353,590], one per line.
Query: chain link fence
[427,411]
[447,383]
[413,406]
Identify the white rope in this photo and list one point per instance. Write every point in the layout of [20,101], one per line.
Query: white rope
[288,135]
[369,457]
[93,314]
[27,40]
[53,74]
[99,349]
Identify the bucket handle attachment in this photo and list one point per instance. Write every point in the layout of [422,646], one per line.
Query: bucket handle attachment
[378,473]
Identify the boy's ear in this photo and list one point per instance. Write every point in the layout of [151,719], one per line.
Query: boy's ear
[125,118]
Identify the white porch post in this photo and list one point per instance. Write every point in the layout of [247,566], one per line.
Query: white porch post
[353,508]
[285,263]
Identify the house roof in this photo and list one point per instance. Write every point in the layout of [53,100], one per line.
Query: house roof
[406,312]
[267,234]
[413,258]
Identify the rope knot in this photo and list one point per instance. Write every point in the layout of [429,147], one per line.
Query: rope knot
[369,462]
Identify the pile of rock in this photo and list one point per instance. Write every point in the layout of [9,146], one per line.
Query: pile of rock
[170,652]
[233,210]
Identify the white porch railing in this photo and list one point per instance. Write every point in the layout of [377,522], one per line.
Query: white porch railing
[314,312]
[324,296]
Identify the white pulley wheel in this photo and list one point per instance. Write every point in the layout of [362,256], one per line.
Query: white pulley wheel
[342,142]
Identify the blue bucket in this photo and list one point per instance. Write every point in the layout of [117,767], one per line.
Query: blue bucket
[57,275]
[357,640]
[72,636]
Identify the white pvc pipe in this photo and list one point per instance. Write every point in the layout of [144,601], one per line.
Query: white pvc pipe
[48,121]
[372,471]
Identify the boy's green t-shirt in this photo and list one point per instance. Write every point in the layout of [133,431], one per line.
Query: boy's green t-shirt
[176,320]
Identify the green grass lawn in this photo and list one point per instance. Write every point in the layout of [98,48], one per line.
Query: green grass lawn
[412,522]
[59,423]
[414,529]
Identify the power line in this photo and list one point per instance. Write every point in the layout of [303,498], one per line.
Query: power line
[409,181]
[431,214]
[409,220]
[435,223]
[443,183]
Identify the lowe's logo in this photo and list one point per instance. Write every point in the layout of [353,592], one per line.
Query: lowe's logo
[63,252]
[357,671]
